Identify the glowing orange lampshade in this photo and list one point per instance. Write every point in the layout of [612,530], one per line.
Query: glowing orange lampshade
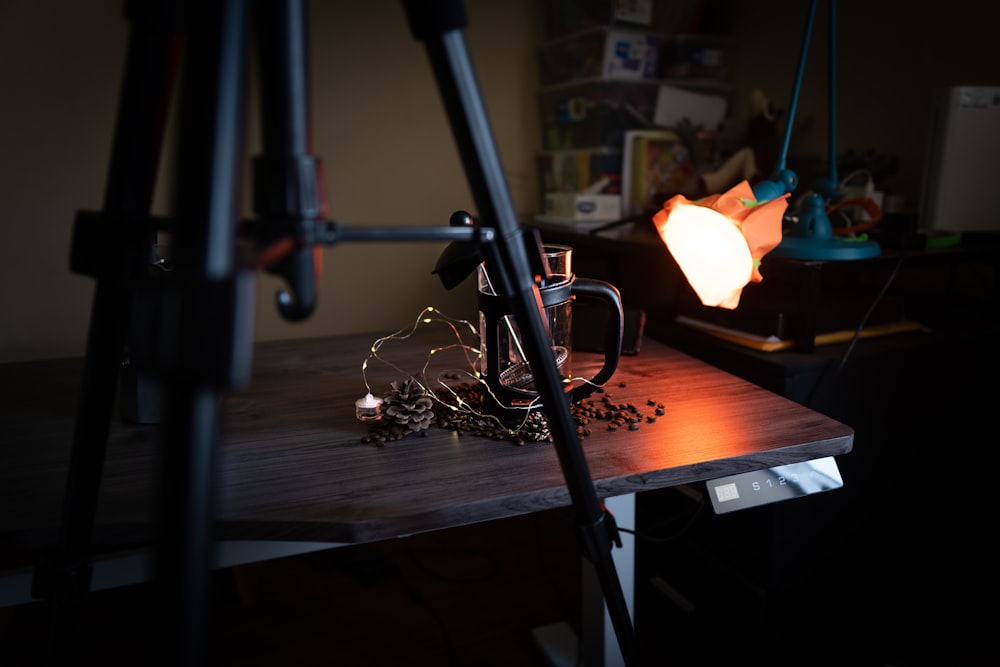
[719,240]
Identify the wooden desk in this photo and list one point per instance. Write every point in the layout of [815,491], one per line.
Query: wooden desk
[294,467]
[296,475]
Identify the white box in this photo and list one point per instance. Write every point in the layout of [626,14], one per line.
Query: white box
[962,161]
[575,206]
[674,104]
[634,11]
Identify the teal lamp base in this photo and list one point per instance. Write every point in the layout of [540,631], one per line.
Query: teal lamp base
[811,238]
[822,249]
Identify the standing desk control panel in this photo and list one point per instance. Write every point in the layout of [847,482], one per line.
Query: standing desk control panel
[761,487]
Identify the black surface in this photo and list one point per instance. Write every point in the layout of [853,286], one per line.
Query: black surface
[895,568]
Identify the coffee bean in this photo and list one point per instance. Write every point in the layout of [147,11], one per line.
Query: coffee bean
[452,413]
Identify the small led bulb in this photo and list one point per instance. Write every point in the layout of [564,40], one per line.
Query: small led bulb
[367,409]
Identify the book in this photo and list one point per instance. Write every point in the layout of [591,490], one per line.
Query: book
[656,164]
[773,343]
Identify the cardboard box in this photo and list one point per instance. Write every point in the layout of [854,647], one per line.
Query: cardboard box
[575,206]
[604,53]
[564,17]
[696,57]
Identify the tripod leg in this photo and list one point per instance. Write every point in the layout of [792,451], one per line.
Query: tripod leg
[287,178]
[114,247]
[439,25]
[212,309]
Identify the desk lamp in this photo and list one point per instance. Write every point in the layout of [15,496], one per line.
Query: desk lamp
[719,240]
[812,236]
[704,238]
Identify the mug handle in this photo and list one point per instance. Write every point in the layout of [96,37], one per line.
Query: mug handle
[609,294]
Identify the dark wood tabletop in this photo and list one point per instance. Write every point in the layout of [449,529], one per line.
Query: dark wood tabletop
[294,464]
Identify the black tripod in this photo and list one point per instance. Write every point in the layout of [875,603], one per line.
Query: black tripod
[193,330]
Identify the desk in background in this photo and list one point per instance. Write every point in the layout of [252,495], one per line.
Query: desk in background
[942,288]
[915,499]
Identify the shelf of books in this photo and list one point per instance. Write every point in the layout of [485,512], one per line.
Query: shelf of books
[609,117]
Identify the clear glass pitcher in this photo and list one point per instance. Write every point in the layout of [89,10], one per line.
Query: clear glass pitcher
[504,363]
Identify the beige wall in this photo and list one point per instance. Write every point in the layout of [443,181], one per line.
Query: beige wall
[390,158]
[378,124]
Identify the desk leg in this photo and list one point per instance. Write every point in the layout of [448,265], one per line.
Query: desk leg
[599,643]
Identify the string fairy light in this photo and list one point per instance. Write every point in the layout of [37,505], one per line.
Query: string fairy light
[368,406]
[427,316]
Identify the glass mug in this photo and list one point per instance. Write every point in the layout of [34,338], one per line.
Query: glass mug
[504,364]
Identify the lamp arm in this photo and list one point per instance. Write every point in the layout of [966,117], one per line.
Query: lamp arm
[783,180]
[827,187]
[796,87]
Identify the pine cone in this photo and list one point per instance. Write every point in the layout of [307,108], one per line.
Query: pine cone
[407,407]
